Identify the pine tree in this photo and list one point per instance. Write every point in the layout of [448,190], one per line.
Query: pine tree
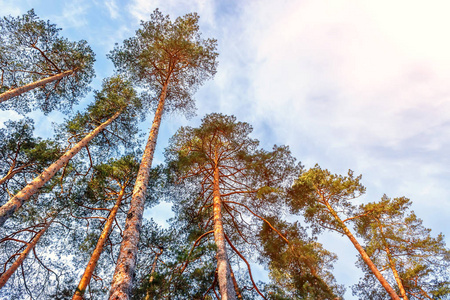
[114,180]
[22,155]
[322,196]
[115,105]
[171,61]
[29,246]
[35,58]
[235,179]
[397,241]
[300,269]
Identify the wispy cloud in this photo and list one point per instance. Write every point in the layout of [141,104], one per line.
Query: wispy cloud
[112,8]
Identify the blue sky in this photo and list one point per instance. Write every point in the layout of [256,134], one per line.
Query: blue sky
[361,85]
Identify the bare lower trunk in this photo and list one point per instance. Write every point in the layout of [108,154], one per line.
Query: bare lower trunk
[16,202]
[86,278]
[23,89]
[365,257]
[123,275]
[226,287]
[5,276]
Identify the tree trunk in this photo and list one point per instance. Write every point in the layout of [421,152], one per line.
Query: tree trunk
[5,276]
[226,287]
[364,256]
[16,202]
[396,276]
[28,87]
[152,272]
[86,278]
[123,275]
[235,284]
[392,263]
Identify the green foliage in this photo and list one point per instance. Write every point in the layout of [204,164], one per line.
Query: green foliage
[320,194]
[166,53]
[117,95]
[31,49]
[251,180]
[397,239]
[174,248]
[22,155]
[300,269]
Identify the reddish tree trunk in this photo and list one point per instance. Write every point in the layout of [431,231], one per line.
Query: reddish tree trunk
[23,89]
[86,278]
[364,256]
[16,202]
[123,275]
[11,173]
[5,276]
[392,264]
[236,286]
[223,267]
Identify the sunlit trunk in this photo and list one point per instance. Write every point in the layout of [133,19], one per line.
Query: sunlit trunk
[86,278]
[364,255]
[123,275]
[5,276]
[226,287]
[30,189]
[392,264]
[23,89]
[11,173]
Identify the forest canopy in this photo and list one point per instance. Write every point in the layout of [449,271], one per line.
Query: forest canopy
[74,205]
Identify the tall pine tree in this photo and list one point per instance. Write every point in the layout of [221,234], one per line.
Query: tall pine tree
[171,61]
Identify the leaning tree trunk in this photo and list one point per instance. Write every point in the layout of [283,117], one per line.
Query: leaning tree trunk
[86,278]
[23,89]
[236,286]
[392,263]
[30,189]
[123,275]
[364,255]
[226,286]
[5,276]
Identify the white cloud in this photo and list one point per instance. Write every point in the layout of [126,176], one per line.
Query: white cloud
[9,7]
[74,15]
[112,8]
[332,74]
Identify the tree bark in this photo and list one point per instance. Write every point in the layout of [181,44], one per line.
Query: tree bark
[226,287]
[86,278]
[364,255]
[392,263]
[11,173]
[5,276]
[235,284]
[123,275]
[28,87]
[16,202]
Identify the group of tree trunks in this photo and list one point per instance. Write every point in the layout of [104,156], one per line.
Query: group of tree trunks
[229,195]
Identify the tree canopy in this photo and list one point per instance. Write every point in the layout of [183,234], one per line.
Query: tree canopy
[31,52]
[72,215]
